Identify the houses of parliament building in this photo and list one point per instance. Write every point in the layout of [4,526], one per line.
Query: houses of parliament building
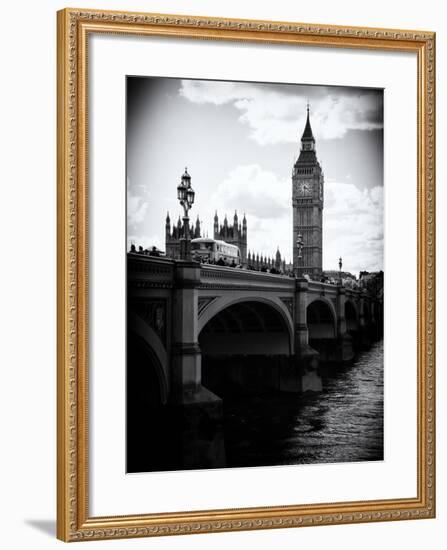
[235,233]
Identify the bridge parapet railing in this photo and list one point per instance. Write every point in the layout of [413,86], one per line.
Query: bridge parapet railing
[211,275]
[316,286]
[331,289]
[150,269]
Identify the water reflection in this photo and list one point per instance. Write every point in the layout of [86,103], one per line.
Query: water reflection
[311,380]
[342,422]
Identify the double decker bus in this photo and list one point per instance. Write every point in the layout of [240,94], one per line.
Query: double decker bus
[211,250]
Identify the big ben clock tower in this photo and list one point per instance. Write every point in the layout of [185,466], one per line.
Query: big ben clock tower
[307,201]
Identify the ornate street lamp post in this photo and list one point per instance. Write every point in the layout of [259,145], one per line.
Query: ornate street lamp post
[185,195]
[340,265]
[299,244]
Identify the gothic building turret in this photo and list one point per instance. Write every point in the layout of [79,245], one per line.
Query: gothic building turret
[307,202]
[167,226]
[216,223]
[235,225]
[278,260]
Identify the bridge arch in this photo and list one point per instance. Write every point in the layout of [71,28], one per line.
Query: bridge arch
[266,305]
[321,319]
[246,343]
[142,336]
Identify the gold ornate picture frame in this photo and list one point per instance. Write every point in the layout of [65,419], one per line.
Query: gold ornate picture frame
[75,523]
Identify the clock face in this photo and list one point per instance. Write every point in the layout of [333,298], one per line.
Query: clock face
[304,188]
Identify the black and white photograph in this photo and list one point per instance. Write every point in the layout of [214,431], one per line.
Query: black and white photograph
[255,274]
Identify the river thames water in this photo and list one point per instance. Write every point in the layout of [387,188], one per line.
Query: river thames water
[341,423]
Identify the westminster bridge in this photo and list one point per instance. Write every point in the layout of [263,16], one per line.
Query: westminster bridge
[201,326]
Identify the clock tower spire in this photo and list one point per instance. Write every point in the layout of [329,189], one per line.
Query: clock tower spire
[307,203]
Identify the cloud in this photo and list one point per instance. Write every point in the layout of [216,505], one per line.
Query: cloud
[276,113]
[353,227]
[137,204]
[254,190]
[266,201]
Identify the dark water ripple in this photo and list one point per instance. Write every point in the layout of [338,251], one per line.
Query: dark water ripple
[343,423]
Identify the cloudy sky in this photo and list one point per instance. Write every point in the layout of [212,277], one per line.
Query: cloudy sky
[239,141]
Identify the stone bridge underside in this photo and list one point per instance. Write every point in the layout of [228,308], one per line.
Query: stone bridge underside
[185,314]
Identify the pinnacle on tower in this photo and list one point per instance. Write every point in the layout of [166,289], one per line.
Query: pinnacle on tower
[216,226]
[167,226]
[307,134]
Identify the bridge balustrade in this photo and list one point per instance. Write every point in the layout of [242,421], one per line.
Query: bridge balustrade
[213,275]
